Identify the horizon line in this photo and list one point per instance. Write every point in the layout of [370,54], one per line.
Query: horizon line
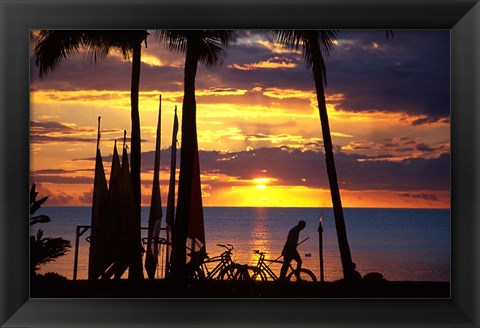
[321,207]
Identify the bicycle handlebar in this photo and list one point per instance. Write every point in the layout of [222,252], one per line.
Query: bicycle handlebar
[228,246]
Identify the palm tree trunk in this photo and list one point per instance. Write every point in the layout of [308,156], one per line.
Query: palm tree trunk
[189,138]
[345,255]
[135,270]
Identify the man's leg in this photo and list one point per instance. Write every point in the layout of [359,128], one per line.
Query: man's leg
[298,259]
[284,269]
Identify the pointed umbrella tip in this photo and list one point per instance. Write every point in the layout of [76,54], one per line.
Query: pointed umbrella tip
[98,133]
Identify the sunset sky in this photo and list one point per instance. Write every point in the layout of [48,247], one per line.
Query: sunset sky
[259,131]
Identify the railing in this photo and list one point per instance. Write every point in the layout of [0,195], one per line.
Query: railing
[82,229]
[78,234]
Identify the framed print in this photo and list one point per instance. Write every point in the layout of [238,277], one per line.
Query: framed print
[376,205]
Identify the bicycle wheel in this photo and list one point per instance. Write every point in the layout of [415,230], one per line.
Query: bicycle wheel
[241,274]
[195,274]
[302,275]
[255,274]
[228,273]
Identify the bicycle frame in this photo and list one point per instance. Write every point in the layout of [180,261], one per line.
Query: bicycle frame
[224,263]
[263,268]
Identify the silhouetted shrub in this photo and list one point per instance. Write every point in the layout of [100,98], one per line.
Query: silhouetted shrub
[43,249]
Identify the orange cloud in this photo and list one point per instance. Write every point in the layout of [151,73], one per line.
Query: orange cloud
[277,47]
[151,60]
[289,93]
[272,63]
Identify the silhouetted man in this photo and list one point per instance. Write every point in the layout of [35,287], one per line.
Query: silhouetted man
[289,251]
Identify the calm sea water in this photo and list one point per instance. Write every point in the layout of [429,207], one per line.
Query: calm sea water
[402,244]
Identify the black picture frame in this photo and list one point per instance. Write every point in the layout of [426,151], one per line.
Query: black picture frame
[18,17]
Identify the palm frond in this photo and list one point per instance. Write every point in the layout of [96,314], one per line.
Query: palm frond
[174,40]
[208,44]
[291,39]
[33,193]
[46,249]
[39,219]
[35,206]
[314,44]
[101,43]
[327,39]
[54,46]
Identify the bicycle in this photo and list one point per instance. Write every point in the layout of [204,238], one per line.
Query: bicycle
[263,272]
[225,268]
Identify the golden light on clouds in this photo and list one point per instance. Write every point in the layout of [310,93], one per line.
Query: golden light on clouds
[262,98]
[340,134]
[101,98]
[272,63]
[151,60]
[288,93]
[277,48]
[220,92]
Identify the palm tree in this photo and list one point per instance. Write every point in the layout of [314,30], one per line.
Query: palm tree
[202,46]
[314,45]
[54,46]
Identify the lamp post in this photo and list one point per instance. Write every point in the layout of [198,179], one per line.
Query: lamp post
[320,247]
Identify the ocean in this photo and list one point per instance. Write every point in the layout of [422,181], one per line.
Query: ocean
[401,244]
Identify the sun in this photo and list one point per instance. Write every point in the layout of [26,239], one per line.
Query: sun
[261,183]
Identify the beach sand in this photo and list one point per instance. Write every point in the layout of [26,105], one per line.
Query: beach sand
[227,289]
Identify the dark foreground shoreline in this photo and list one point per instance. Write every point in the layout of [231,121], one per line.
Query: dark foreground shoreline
[226,289]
